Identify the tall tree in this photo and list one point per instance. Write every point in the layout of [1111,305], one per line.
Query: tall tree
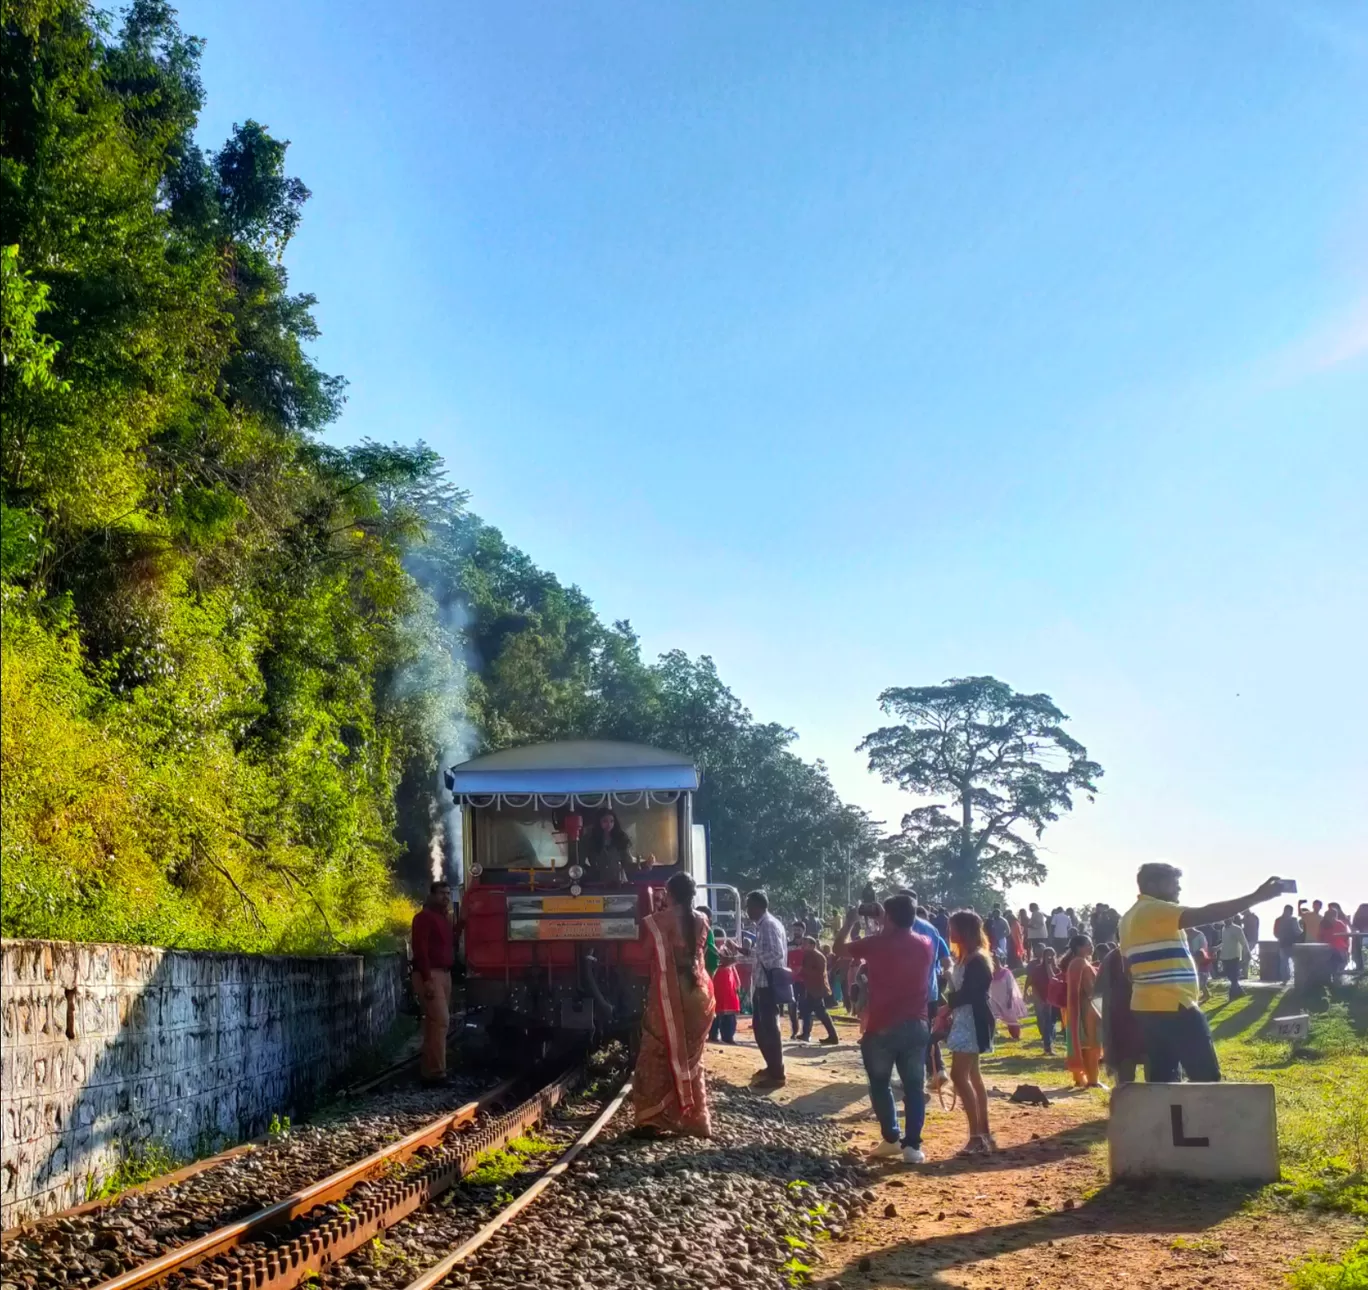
[1003,767]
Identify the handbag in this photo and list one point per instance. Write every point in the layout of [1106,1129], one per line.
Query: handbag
[1057,992]
[781,982]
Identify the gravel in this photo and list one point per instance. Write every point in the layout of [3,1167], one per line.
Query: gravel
[93,1247]
[771,1185]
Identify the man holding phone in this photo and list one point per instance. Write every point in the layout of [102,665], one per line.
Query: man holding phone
[1164,986]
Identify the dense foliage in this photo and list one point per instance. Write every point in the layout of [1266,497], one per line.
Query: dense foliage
[233,656]
[1004,768]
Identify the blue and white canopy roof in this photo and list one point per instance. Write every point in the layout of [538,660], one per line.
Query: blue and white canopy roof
[589,772]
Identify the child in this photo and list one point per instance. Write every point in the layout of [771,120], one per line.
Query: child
[727,993]
[1004,998]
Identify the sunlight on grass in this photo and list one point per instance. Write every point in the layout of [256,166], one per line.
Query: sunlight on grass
[505,1163]
[1321,1085]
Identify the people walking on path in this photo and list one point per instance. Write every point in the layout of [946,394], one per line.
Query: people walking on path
[1287,932]
[1335,933]
[816,988]
[434,950]
[1164,989]
[1004,998]
[1061,929]
[771,988]
[922,925]
[1016,942]
[726,996]
[669,1089]
[970,1032]
[1359,927]
[1083,1013]
[1123,1045]
[797,934]
[997,928]
[1040,972]
[898,961]
[1234,953]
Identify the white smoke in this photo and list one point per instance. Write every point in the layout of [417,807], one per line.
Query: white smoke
[435,678]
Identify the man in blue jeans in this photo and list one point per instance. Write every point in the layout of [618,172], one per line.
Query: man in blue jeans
[898,963]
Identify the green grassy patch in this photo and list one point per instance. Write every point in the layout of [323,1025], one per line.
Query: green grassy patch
[494,1168]
[1348,1273]
[1321,1085]
[137,1165]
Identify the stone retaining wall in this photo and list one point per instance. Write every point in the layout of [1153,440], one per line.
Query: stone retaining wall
[105,1047]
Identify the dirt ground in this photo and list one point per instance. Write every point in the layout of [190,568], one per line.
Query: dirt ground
[1037,1214]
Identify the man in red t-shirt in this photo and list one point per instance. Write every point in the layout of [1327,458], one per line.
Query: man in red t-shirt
[434,951]
[898,964]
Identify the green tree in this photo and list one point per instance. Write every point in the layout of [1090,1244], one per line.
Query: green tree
[1003,767]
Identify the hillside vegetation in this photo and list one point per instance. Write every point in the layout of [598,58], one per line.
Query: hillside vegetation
[235,655]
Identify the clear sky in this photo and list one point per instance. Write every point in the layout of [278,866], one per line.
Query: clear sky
[899,341]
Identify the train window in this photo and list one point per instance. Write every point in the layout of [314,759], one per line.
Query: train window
[511,839]
[654,830]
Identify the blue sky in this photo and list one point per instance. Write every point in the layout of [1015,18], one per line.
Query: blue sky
[873,344]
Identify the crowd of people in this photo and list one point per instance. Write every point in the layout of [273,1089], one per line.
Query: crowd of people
[1120,992]
[929,987]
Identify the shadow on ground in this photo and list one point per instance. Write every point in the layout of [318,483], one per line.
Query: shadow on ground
[1121,1209]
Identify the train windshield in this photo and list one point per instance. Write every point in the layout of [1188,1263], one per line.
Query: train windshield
[529,838]
[513,839]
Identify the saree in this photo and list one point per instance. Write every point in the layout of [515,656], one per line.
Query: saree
[668,1088]
[1083,1021]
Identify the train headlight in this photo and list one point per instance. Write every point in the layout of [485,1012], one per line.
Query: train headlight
[575,889]
[476,870]
[575,872]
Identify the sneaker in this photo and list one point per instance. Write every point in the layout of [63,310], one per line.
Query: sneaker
[830,1039]
[768,1083]
[886,1151]
[913,1156]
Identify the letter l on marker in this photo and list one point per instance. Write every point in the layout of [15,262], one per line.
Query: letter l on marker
[1179,1140]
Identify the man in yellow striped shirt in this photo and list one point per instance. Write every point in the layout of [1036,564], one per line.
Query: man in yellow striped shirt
[1164,986]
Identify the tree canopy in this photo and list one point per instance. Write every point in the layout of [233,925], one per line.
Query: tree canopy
[1003,768]
[235,656]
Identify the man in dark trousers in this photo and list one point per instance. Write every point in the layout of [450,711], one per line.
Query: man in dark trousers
[1163,976]
[771,988]
[434,951]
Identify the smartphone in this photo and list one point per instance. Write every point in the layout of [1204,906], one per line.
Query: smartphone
[1287,886]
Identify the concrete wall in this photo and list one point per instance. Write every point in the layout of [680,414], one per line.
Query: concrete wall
[103,1047]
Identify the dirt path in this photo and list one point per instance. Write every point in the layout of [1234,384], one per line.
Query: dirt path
[1038,1213]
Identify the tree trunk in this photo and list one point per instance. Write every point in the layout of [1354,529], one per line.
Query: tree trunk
[964,879]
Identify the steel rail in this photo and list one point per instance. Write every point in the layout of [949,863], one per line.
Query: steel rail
[440,1271]
[302,1201]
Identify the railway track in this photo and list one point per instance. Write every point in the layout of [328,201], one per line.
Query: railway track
[304,1235]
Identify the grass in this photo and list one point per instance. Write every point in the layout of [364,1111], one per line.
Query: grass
[1321,1087]
[1348,1273]
[137,1165]
[503,1164]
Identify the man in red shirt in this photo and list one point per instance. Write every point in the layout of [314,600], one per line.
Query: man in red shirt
[898,963]
[434,950]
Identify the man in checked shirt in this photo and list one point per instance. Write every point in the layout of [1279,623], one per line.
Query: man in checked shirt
[769,958]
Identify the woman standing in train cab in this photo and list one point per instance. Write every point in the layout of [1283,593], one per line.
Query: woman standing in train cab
[669,1094]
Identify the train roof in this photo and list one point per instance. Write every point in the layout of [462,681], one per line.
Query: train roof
[574,766]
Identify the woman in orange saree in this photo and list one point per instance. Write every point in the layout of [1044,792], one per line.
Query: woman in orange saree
[669,1094]
[1084,1017]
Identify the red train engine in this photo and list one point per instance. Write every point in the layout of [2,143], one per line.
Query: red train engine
[566,847]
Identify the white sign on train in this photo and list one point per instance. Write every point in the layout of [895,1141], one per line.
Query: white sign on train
[1298,1027]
